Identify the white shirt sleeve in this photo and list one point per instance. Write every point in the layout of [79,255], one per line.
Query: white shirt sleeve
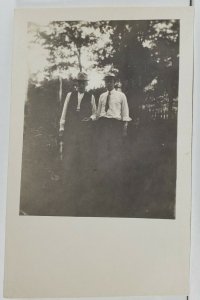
[64,111]
[94,108]
[99,107]
[125,109]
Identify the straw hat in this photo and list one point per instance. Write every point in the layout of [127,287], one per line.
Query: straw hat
[109,75]
[82,76]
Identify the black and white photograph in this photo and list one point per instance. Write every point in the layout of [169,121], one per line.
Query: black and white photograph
[100,157]
[100,119]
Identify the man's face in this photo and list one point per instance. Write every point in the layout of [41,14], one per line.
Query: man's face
[110,83]
[81,86]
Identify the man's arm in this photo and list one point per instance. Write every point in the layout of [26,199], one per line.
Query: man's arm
[125,109]
[99,107]
[125,114]
[94,109]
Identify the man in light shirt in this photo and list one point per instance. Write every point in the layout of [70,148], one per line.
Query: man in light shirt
[113,118]
[76,130]
[113,104]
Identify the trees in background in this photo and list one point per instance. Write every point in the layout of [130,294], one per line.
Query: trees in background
[65,42]
[144,54]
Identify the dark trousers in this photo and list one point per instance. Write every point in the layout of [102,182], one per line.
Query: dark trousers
[109,148]
[78,158]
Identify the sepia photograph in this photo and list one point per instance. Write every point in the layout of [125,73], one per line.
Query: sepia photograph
[100,119]
[99,172]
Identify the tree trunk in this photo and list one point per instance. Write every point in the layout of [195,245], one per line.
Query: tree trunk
[79,60]
[60,89]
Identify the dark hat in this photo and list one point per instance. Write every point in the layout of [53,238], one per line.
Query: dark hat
[82,76]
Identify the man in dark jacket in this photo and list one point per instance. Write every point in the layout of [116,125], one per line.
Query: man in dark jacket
[76,130]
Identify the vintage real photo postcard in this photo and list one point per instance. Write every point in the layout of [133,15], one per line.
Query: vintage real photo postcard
[99,182]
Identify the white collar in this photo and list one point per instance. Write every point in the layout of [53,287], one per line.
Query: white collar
[113,90]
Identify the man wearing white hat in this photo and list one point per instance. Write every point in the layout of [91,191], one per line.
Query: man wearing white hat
[113,104]
[113,118]
[75,129]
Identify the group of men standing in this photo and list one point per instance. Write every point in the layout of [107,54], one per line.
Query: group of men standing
[93,134]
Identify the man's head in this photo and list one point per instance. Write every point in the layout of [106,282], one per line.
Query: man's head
[109,81]
[82,81]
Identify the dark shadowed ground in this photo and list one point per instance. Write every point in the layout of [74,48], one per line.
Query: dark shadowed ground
[146,189]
